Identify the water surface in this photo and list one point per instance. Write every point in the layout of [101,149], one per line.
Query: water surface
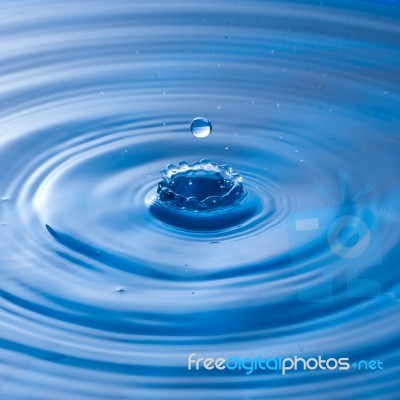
[103,299]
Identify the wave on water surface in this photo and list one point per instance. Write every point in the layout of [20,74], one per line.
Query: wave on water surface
[285,243]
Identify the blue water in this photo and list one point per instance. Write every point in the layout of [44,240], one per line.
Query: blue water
[103,298]
[200,127]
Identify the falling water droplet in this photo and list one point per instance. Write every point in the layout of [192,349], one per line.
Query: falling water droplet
[201,127]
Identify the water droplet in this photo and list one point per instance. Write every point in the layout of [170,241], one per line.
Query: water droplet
[201,127]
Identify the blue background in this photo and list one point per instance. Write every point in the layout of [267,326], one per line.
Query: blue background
[101,298]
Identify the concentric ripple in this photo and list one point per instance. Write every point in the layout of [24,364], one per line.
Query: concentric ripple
[106,287]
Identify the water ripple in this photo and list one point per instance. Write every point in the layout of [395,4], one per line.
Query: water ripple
[102,299]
